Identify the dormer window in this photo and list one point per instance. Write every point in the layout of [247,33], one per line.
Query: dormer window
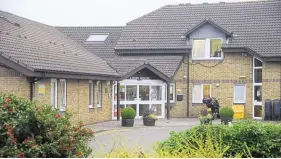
[204,49]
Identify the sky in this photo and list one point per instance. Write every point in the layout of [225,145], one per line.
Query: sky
[88,12]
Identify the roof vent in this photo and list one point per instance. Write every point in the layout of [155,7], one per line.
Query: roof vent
[205,3]
[17,24]
[222,2]
[187,4]
[181,4]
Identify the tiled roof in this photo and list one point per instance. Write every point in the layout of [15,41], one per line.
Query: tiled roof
[43,48]
[256,25]
[167,64]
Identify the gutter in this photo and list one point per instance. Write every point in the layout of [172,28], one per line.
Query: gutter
[187,87]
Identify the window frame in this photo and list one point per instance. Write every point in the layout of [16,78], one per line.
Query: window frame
[207,49]
[91,94]
[55,105]
[99,94]
[63,108]
[239,102]
[201,93]
[174,93]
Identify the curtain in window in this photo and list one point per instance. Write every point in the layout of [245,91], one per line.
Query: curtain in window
[239,91]
[197,93]
[198,48]
[215,45]
[206,91]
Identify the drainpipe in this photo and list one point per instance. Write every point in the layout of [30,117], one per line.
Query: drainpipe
[187,86]
[31,88]
[168,100]
[118,101]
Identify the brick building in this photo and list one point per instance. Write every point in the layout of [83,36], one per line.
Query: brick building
[184,53]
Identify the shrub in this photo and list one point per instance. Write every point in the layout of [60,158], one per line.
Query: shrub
[128,113]
[246,138]
[263,140]
[226,112]
[29,129]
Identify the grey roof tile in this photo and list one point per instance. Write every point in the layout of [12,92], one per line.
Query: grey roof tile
[44,48]
[257,25]
[123,64]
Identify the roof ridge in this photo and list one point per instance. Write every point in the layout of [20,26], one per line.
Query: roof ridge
[221,2]
[89,26]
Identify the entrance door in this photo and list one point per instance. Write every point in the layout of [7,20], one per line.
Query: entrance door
[142,96]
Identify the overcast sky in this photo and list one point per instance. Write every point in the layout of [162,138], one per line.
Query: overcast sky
[88,12]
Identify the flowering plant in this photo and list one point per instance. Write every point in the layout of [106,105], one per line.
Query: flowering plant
[28,129]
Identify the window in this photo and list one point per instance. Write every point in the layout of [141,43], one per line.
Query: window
[172,92]
[54,93]
[239,93]
[97,38]
[257,93]
[207,49]
[200,91]
[91,94]
[99,94]
[62,95]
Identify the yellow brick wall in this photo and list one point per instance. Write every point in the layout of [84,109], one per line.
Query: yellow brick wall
[235,68]
[179,109]
[78,100]
[13,82]
[271,81]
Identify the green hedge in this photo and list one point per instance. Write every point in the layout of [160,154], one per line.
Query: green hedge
[29,129]
[246,138]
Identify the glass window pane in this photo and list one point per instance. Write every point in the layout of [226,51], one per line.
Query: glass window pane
[197,93]
[257,111]
[134,106]
[157,108]
[156,92]
[206,91]
[131,93]
[143,108]
[122,93]
[99,94]
[257,63]
[101,37]
[257,93]
[198,48]
[258,75]
[172,92]
[239,94]
[144,93]
[91,96]
[115,92]
[115,109]
[215,47]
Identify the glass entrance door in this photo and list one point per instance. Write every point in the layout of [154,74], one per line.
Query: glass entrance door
[142,97]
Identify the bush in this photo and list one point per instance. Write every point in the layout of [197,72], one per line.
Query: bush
[226,112]
[128,113]
[28,129]
[245,138]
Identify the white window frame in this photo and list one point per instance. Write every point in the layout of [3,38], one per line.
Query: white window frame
[55,104]
[201,93]
[63,100]
[174,93]
[91,94]
[99,94]
[207,49]
[242,101]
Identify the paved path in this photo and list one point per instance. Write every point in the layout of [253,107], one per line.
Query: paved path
[110,135]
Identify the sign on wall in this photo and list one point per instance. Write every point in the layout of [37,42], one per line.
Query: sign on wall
[41,90]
